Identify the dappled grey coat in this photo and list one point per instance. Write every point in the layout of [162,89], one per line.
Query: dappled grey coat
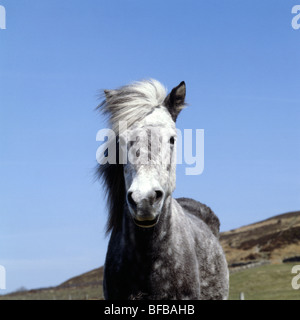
[160,247]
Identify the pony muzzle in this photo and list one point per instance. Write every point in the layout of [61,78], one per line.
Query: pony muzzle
[145,208]
[145,217]
[146,223]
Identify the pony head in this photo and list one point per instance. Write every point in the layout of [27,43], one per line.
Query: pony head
[143,118]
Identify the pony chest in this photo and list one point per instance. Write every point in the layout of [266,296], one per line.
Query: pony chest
[173,279]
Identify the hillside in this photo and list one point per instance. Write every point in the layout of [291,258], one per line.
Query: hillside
[272,241]
[87,286]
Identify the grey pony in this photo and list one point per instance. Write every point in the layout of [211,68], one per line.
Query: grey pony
[160,248]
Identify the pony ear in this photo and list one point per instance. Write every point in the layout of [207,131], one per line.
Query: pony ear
[109,93]
[175,101]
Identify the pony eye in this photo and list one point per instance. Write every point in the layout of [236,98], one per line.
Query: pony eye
[172,140]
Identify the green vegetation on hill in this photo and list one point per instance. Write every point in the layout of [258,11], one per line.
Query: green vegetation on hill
[87,286]
[268,282]
[55,293]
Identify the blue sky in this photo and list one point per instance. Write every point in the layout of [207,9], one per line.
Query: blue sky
[240,61]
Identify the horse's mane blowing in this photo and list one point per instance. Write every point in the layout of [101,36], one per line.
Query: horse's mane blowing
[130,104]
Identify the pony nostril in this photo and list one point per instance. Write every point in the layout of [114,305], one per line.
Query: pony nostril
[130,199]
[158,195]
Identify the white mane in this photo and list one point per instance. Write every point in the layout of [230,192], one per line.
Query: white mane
[133,102]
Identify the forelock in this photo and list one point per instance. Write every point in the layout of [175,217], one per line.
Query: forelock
[132,103]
